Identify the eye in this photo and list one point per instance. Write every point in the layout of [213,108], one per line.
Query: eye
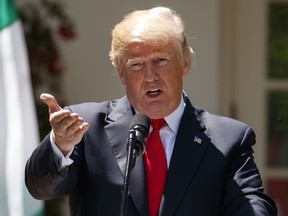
[136,66]
[162,62]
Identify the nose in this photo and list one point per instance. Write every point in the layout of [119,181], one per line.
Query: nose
[150,73]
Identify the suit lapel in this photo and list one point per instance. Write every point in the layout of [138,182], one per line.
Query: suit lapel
[117,128]
[190,145]
[117,131]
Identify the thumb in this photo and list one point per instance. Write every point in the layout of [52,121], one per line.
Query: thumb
[51,102]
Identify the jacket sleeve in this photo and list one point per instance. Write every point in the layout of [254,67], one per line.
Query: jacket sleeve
[244,193]
[42,177]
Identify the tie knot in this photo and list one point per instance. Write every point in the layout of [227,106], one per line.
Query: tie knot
[157,123]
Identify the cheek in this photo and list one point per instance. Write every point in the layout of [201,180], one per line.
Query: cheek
[132,80]
[175,81]
[132,83]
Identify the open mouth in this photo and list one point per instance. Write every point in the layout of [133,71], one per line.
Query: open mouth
[154,92]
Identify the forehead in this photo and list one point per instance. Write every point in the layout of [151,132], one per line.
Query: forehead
[138,50]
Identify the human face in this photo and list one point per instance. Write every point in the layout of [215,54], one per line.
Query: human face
[153,77]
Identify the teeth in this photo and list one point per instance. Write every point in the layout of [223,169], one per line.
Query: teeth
[154,92]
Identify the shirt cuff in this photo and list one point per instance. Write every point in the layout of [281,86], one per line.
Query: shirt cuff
[61,160]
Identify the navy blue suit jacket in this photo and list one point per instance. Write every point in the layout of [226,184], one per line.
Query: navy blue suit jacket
[214,177]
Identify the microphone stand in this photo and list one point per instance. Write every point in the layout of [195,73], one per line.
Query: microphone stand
[130,162]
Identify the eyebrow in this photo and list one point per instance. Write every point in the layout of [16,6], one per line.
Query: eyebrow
[151,56]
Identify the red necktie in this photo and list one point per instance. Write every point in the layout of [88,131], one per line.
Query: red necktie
[156,166]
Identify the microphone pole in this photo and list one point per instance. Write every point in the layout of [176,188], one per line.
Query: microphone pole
[130,162]
[135,147]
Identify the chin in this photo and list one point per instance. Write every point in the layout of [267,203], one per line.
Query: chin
[156,113]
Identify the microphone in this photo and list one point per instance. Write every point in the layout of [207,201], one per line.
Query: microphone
[139,129]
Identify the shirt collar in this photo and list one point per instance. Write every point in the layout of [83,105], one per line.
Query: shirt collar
[173,120]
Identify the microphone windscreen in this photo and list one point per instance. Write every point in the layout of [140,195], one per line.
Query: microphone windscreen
[140,119]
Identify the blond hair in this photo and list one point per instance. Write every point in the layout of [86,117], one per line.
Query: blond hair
[156,26]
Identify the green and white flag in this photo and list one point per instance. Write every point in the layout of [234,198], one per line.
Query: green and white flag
[18,123]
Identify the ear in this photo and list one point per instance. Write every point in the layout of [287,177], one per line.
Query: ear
[187,60]
[121,75]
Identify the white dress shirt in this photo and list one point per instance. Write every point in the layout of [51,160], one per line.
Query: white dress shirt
[168,133]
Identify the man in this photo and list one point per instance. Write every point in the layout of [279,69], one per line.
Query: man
[208,168]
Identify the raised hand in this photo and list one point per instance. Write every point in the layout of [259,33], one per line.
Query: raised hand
[67,127]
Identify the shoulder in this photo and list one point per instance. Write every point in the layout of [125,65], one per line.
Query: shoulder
[225,128]
[92,110]
[89,107]
[222,122]
[214,122]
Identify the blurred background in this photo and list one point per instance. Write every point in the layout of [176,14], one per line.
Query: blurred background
[240,66]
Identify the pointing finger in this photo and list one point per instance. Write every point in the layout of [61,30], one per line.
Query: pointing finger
[51,102]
